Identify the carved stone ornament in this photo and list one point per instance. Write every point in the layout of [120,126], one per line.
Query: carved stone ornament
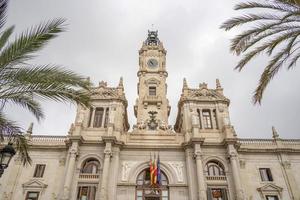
[141,125]
[270,189]
[242,164]
[286,164]
[203,94]
[35,185]
[126,167]
[152,122]
[178,168]
[163,125]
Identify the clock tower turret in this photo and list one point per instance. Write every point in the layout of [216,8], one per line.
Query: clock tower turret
[152,106]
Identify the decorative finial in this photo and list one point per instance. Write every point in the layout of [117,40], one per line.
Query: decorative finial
[218,84]
[30,128]
[102,84]
[274,132]
[185,83]
[121,82]
[71,129]
[203,85]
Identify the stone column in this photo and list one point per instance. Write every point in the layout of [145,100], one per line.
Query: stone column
[70,170]
[236,172]
[106,166]
[114,175]
[201,120]
[200,174]
[213,120]
[190,174]
[93,117]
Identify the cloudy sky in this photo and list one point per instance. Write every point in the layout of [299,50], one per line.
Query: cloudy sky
[103,40]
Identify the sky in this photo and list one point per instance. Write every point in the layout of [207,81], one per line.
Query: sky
[102,41]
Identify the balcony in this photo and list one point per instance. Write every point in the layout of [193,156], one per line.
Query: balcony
[89,176]
[216,178]
[151,99]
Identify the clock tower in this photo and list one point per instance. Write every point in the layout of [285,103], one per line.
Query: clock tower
[152,106]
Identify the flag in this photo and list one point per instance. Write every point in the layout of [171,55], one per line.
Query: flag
[151,170]
[158,171]
[154,171]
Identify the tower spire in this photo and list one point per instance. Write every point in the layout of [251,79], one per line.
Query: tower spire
[219,87]
[185,85]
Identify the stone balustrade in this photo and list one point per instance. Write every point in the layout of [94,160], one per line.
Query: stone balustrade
[88,176]
[48,140]
[216,178]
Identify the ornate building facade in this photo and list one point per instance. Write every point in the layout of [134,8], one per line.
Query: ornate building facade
[201,156]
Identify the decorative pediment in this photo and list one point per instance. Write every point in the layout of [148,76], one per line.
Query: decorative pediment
[107,93]
[152,81]
[270,189]
[204,94]
[34,185]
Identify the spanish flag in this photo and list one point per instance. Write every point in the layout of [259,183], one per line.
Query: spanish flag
[151,170]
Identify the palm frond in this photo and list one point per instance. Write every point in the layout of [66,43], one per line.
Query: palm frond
[278,26]
[3,8]
[22,148]
[272,5]
[8,127]
[29,42]
[247,18]
[46,81]
[5,35]
[26,101]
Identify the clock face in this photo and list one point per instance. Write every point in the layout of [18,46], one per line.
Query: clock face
[152,63]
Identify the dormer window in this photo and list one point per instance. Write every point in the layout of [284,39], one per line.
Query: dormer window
[152,91]
[99,117]
[206,119]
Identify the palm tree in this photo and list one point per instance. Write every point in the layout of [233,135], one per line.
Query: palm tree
[23,84]
[274,29]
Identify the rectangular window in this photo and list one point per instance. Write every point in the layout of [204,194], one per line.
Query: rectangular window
[98,117]
[32,196]
[152,91]
[272,197]
[216,194]
[39,171]
[86,193]
[206,119]
[265,174]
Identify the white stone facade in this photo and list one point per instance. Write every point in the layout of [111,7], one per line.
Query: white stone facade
[201,155]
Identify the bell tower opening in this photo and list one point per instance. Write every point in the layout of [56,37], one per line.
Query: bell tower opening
[152,106]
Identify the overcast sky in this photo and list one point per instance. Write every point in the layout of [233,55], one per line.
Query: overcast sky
[103,40]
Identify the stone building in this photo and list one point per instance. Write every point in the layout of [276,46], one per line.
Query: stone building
[201,156]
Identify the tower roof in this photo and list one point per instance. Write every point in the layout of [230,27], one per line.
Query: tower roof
[152,38]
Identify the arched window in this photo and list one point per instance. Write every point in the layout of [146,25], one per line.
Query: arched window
[214,168]
[144,191]
[90,166]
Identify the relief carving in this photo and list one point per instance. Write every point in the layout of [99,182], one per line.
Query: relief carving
[178,168]
[126,167]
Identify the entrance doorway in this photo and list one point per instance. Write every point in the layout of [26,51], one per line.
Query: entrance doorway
[144,190]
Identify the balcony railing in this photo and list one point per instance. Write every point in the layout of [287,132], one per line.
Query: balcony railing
[216,178]
[89,176]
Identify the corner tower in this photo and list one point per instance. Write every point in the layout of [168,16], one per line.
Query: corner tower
[152,106]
